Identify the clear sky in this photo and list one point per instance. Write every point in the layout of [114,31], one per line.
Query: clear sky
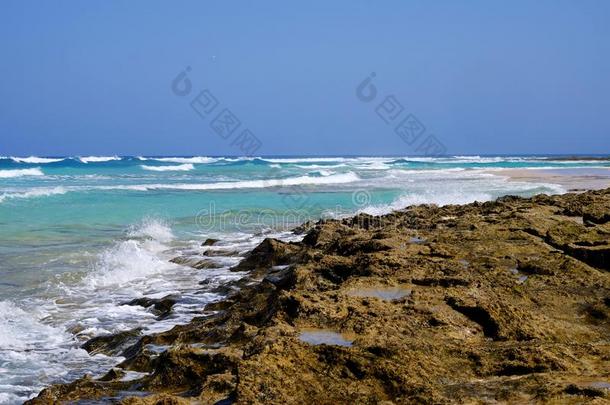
[485,77]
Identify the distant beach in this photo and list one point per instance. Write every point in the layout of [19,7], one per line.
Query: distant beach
[573,179]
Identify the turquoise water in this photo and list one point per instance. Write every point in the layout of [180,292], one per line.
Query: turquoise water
[79,236]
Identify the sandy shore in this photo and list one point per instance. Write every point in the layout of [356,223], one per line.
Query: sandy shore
[572,179]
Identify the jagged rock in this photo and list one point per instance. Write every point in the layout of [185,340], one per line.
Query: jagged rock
[509,302]
[216,253]
[269,253]
[210,242]
[160,306]
[112,345]
[196,263]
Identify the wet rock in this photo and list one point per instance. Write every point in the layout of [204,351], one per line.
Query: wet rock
[196,262]
[304,228]
[221,253]
[160,306]
[268,253]
[113,374]
[210,242]
[281,278]
[112,345]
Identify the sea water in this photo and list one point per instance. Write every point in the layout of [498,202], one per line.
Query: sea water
[81,235]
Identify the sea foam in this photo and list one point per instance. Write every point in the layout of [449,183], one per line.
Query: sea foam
[35,192]
[289,181]
[8,174]
[98,159]
[36,160]
[135,258]
[195,159]
[178,168]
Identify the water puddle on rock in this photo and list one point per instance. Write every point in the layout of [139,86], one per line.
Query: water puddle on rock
[383,293]
[521,277]
[600,385]
[324,337]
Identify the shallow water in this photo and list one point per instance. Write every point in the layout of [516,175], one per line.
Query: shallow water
[384,293]
[602,385]
[79,236]
[324,337]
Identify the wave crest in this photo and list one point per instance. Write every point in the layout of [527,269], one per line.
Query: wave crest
[36,160]
[192,160]
[178,168]
[98,159]
[8,174]
[35,192]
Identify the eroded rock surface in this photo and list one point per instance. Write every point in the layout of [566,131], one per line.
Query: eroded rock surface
[508,301]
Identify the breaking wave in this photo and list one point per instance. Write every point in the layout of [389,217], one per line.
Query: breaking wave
[98,159]
[178,168]
[36,160]
[8,174]
[36,192]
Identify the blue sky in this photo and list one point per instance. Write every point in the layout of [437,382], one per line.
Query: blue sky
[483,77]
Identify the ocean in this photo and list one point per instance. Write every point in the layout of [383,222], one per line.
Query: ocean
[81,235]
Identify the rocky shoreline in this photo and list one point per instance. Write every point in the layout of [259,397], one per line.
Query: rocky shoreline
[505,301]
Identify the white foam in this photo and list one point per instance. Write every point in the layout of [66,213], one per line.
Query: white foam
[127,261]
[35,192]
[315,167]
[290,181]
[8,174]
[152,228]
[305,160]
[20,329]
[375,165]
[28,348]
[229,185]
[439,199]
[133,259]
[178,168]
[324,173]
[36,160]
[445,187]
[192,160]
[98,159]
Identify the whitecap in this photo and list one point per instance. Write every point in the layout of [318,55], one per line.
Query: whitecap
[135,258]
[152,228]
[305,160]
[289,181]
[178,168]
[98,159]
[36,160]
[7,174]
[35,192]
[195,159]
[126,262]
